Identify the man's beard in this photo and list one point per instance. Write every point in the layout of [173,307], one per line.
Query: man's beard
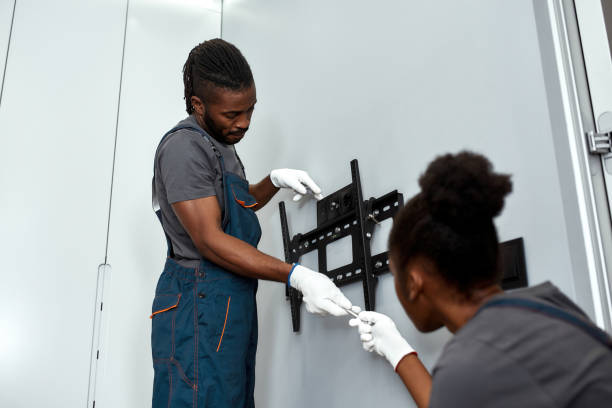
[215,132]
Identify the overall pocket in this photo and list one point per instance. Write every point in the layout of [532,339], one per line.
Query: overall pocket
[230,325]
[216,320]
[242,196]
[222,306]
[243,222]
[163,325]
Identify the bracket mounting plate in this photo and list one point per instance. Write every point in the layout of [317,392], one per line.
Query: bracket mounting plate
[345,213]
[341,214]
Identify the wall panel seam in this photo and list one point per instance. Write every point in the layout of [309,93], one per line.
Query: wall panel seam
[110,200]
[8,48]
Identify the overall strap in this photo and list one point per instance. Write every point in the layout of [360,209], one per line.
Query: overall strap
[204,134]
[219,156]
[554,312]
[240,162]
[154,198]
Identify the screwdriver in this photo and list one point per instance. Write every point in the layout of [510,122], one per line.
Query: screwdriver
[350,312]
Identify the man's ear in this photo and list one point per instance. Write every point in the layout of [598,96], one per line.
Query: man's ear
[198,106]
[415,280]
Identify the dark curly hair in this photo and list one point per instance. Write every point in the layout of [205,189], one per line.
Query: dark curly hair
[450,222]
[214,62]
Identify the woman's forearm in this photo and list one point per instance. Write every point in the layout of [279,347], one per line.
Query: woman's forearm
[416,378]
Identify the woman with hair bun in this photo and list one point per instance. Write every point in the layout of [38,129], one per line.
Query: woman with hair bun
[531,347]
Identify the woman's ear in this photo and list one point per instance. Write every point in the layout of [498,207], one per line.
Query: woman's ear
[415,280]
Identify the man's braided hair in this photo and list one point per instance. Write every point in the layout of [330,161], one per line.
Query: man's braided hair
[214,62]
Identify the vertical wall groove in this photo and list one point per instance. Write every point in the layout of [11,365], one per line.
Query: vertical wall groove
[8,48]
[96,333]
[110,201]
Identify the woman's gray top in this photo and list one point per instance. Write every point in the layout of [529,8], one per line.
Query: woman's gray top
[514,357]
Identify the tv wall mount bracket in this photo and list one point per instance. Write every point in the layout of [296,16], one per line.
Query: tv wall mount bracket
[341,214]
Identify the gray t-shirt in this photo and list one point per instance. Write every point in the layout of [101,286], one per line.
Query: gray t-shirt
[511,357]
[186,168]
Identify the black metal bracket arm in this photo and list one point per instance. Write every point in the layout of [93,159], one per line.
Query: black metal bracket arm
[345,213]
[339,215]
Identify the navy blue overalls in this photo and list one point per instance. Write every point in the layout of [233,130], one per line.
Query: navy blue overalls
[204,320]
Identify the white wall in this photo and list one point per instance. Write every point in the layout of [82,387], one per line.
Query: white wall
[393,85]
[159,36]
[57,129]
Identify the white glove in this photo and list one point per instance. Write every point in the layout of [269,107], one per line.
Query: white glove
[297,180]
[321,296]
[379,333]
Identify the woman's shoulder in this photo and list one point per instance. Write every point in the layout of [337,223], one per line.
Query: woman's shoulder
[514,321]
[473,373]
[517,348]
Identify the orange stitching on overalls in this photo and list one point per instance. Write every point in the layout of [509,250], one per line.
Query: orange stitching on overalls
[170,392]
[168,308]
[224,323]
[242,203]
[173,330]
[195,343]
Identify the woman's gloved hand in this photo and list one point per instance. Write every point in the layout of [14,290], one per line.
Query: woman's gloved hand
[379,333]
[321,296]
[297,180]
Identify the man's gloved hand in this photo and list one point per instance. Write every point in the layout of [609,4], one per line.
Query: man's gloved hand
[297,180]
[379,333]
[320,294]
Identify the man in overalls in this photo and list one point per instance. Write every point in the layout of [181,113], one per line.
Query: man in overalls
[204,315]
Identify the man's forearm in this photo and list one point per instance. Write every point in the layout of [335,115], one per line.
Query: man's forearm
[416,378]
[241,258]
[263,192]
